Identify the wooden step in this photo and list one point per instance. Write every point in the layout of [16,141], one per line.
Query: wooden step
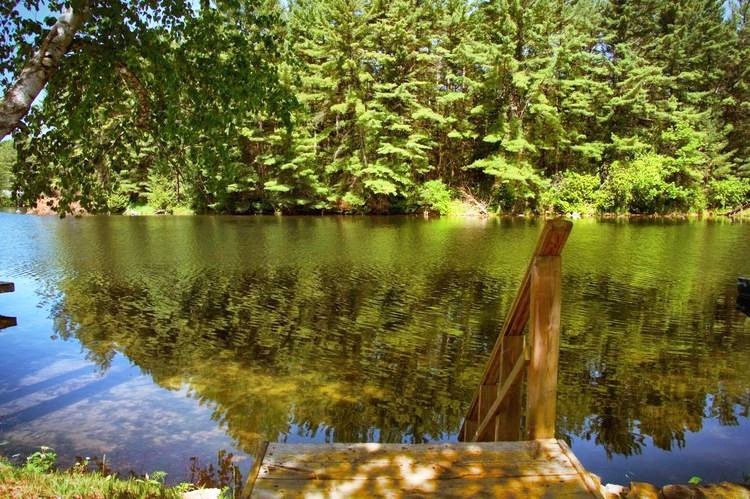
[528,469]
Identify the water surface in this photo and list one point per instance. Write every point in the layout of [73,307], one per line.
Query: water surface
[154,340]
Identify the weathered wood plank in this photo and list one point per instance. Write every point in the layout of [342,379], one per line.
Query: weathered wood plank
[500,469]
[504,488]
[7,287]
[446,463]
[508,419]
[591,481]
[7,322]
[487,397]
[491,412]
[541,382]
[278,452]
[254,471]
[469,427]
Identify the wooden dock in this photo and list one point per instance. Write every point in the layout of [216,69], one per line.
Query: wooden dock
[7,287]
[527,469]
[508,448]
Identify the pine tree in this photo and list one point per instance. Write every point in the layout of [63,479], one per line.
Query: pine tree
[330,42]
[669,84]
[736,76]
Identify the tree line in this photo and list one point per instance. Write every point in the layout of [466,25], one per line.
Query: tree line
[356,106]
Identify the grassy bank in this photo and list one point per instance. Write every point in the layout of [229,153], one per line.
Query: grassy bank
[39,477]
[24,482]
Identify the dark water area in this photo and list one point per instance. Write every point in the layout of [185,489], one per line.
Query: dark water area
[154,340]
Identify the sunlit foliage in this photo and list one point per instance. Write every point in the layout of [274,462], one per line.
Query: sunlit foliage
[358,105]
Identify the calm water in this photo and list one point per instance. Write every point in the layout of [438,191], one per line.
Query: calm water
[153,340]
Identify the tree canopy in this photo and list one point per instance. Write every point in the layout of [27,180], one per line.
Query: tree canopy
[370,106]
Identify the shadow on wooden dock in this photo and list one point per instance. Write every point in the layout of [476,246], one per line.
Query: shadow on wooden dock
[529,469]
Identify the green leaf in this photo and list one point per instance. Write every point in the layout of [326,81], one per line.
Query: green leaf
[424,113]
[381,186]
[340,108]
[274,186]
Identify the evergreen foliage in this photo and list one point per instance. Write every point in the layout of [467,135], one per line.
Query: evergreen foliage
[7,160]
[374,106]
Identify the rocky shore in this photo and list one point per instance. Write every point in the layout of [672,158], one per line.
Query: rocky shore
[641,490]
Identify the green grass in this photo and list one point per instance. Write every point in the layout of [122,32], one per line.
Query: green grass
[40,478]
[20,482]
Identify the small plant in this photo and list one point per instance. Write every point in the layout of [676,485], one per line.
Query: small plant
[81,465]
[183,487]
[42,461]
[695,480]
[155,478]
[161,195]
[118,202]
[101,465]
[435,196]
[225,474]
[40,477]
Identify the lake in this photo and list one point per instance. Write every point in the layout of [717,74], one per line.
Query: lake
[151,341]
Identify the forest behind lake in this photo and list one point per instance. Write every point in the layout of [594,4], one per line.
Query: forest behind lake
[367,106]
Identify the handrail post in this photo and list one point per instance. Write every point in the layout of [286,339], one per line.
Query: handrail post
[544,336]
[494,413]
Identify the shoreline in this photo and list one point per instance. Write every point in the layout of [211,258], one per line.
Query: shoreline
[48,206]
[737,217]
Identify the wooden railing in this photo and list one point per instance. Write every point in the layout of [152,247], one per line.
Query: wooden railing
[495,413]
[7,287]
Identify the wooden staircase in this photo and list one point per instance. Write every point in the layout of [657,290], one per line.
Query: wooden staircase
[507,452]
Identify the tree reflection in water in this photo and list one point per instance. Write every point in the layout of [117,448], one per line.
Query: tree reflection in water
[356,346]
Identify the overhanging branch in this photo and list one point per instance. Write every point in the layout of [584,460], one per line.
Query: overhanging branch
[43,64]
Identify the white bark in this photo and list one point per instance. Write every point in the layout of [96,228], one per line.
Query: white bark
[18,99]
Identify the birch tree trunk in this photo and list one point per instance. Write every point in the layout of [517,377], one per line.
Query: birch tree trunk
[18,99]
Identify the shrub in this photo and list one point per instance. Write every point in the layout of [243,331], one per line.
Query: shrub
[641,186]
[434,195]
[350,203]
[42,461]
[161,195]
[118,202]
[572,192]
[727,193]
